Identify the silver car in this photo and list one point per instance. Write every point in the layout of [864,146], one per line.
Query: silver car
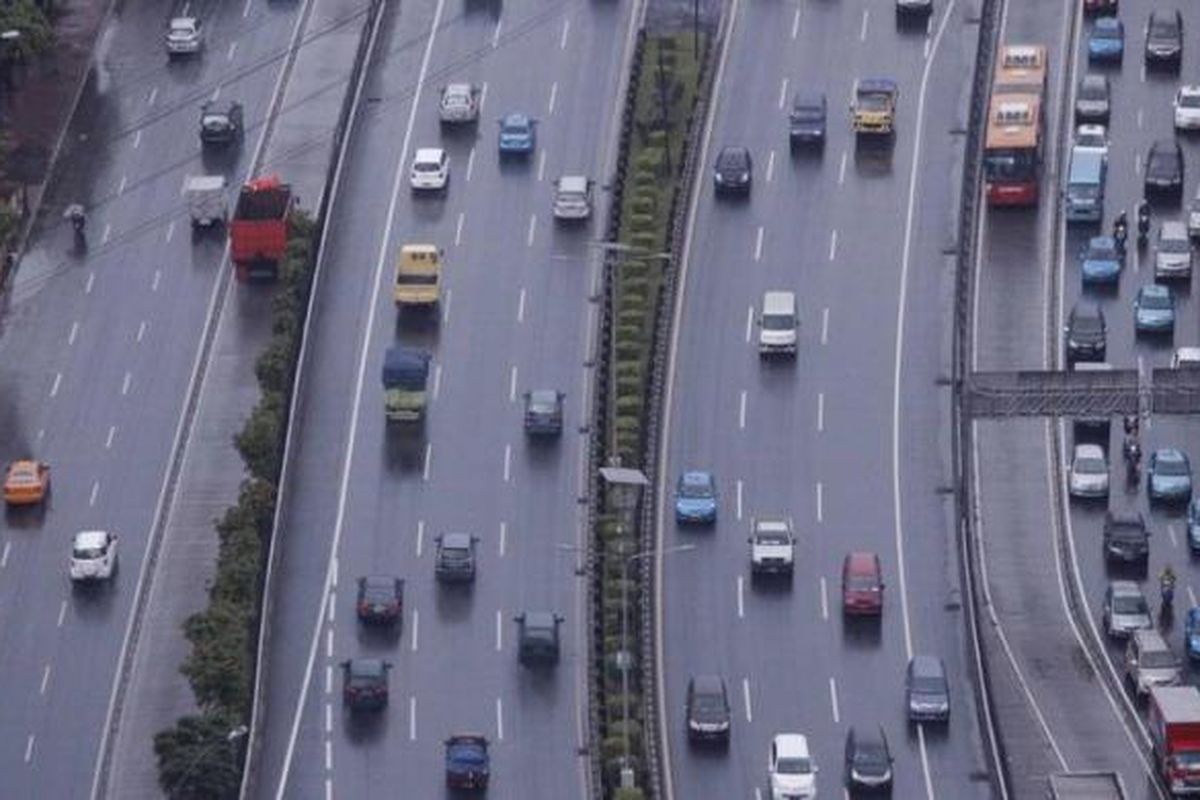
[1174,256]
[1125,609]
[459,103]
[185,36]
[1149,662]
[1089,472]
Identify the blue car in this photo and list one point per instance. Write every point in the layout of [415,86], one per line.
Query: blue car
[1169,478]
[1191,633]
[1154,309]
[518,134]
[1107,42]
[1100,262]
[696,498]
[1193,532]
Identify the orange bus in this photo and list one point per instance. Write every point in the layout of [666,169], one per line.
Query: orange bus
[1012,149]
[1021,69]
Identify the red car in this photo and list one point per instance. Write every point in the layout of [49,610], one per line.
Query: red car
[1100,6]
[862,584]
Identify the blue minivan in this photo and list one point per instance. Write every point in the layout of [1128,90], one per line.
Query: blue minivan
[1085,185]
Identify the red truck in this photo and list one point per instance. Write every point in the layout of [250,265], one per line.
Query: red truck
[259,232]
[1175,729]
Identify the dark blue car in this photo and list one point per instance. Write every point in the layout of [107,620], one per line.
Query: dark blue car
[1107,42]
[518,134]
[696,498]
[1191,633]
[1100,262]
[467,763]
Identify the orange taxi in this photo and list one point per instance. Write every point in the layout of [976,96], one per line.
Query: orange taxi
[26,482]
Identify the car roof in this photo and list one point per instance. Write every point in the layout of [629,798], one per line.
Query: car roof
[1165,145]
[540,620]
[1124,587]
[1087,311]
[927,666]
[1102,242]
[1089,451]
[91,538]
[862,563]
[808,99]
[1187,353]
[573,183]
[543,397]
[1155,289]
[366,667]
[1150,639]
[456,540]
[1108,22]
[1125,517]
[516,118]
[1172,229]
[733,151]
[1190,89]
[868,736]
[183,22]
[1093,79]
[696,477]
[378,581]
[429,154]
[458,88]
[791,745]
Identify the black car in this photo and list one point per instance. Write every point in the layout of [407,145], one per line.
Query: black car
[220,123]
[380,599]
[1164,38]
[1086,333]
[732,172]
[913,8]
[365,684]
[543,412]
[708,714]
[468,765]
[868,760]
[455,559]
[926,690]
[537,638]
[1164,168]
[1126,537]
[1092,102]
[806,122]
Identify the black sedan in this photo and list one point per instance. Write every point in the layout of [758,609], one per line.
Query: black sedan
[380,599]
[732,172]
[1164,39]
[1164,168]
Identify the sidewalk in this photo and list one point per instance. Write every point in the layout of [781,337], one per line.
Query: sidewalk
[301,149]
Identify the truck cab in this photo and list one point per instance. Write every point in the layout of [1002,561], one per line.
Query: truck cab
[873,110]
[1174,722]
[772,546]
[418,276]
[405,375]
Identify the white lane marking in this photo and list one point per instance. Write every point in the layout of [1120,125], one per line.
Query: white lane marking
[1137,164]
[112,432]
[329,789]
[833,700]
[416,629]
[45,679]
[137,139]
[749,323]
[521,305]
[170,230]
[1141,366]
[1174,538]
[482,95]
[499,720]
[512,384]
[446,308]
[496,33]
[215,94]
[739,498]
[820,502]
[4,556]
[503,537]
[499,630]
[107,233]
[87,287]
[842,169]
[125,384]
[758,241]
[420,536]
[328,755]
[141,330]
[1191,596]
[862,34]
[833,244]
[156,280]
[1143,72]
[428,458]
[41,434]
[232,50]
[796,23]
[329,635]
[562,40]
[332,607]
[1139,119]
[825,325]
[246,9]
[57,382]
[925,49]
[541,166]
[121,186]
[507,462]
[470,163]
[74,332]
[328,679]
[437,380]
[741,597]
[29,749]
[742,411]
[746,699]
[771,166]
[328,718]
[553,96]
[824,599]
[458,229]
[820,411]
[783,87]
[412,718]
[62,613]
[532,228]
[153,95]
[187,7]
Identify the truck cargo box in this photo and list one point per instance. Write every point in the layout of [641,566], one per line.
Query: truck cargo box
[1086,786]
[405,368]
[259,231]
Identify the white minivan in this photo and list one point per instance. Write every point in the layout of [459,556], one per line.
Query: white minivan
[778,324]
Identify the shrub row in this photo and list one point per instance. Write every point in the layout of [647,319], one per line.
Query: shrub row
[197,757]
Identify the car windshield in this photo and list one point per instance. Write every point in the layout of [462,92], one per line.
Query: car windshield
[88,553]
[1129,604]
[772,538]
[1158,659]
[1106,32]
[427,166]
[732,162]
[777,322]
[1170,466]
[1162,28]
[793,766]
[709,703]
[870,754]
[1189,100]
[1174,246]
[468,755]
[515,127]
[928,685]
[861,583]
[1162,162]
[1102,251]
[808,113]
[1087,325]
[1091,466]
[1092,91]
[694,487]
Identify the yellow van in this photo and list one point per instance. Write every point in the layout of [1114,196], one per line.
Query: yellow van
[418,275]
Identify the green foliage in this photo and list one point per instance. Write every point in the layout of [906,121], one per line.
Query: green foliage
[25,16]
[631,793]
[197,759]
[260,440]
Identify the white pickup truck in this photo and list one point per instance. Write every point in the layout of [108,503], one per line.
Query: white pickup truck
[772,546]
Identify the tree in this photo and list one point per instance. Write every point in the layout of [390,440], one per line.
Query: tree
[198,758]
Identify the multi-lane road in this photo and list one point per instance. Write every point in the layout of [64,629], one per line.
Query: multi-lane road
[97,355]
[361,499]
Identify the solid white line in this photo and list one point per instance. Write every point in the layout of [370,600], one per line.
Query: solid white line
[499,631]
[412,718]
[232,50]
[420,536]
[428,458]
[796,23]
[862,34]
[121,186]
[482,96]
[503,537]
[470,162]
[746,699]
[437,380]
[141,330]
[329,789]
[416,628]
[87,287]
[29,749]
[562,41]
[74,332]
[842,169]
[62,609]
[820,502]
[553,95]
[507,462]
[758,241]
[742,411]
[126,383]
[496,34]
[739,498]
[45,679]
[521,305]
[499,720]
[833,699]
[112,431]
[57,381]
[771,166]
[137,139]
[156,280]
[824,599]
[749,323]
[107,233]
[532,228]
[820,411]
[512,384]
[741,597]
[1137,164]
[783,92]
[833,244]
[458,229]
[4,555]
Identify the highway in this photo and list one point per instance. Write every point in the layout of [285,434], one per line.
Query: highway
[514,316]
[96,357]
[848,441]
[1019,299]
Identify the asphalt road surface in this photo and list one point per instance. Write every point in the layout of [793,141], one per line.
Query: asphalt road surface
[514,316]
[849,441]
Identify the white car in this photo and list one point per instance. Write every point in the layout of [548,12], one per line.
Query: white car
[430,169]
[791,768]
[1188,357]
[1092,137]
[1089,472]
[1187,108]
[573,197]
[184,36]
[93,556]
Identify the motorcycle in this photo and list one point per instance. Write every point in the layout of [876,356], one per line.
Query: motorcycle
[78,218]
[1143,223]
[1133,459]
[1120,232]
[1167,589]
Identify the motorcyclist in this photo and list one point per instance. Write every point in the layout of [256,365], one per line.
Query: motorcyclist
[1143,220]
[1121,229]
[77,215]
[1166,584]
[1131,425]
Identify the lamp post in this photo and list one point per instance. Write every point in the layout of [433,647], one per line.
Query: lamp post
[233,735]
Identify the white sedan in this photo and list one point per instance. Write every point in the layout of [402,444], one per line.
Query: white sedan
[185,35]
[1089,472]
[1187,108]
[430,169]
[93,556]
